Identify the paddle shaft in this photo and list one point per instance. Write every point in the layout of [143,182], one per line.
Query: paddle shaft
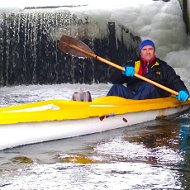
[92,55]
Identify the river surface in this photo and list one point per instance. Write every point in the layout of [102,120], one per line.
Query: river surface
[151,155]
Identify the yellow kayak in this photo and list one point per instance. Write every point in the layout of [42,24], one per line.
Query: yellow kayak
[56,119]
[51,110]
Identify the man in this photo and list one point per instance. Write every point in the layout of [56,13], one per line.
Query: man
[149,66]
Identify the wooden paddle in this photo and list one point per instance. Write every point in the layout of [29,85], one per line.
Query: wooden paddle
[77,48]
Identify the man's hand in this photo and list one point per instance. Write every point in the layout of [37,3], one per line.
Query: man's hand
[129,71]
[182,95]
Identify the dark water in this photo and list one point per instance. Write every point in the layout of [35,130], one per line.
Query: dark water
[151,155]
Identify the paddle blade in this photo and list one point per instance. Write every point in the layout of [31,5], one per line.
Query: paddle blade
[74,47]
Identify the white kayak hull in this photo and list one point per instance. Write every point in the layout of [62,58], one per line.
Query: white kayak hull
[18,134]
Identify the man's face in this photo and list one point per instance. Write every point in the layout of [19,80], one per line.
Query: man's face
[147,52]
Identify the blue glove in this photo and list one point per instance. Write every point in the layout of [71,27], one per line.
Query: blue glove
[129,71]
[183,95]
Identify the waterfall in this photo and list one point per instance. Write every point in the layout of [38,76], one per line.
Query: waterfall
[29,53]
[29,38]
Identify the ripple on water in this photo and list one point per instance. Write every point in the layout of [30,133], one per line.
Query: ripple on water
[121,150]
[119,175]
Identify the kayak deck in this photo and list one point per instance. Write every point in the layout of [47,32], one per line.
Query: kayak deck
[52,110]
